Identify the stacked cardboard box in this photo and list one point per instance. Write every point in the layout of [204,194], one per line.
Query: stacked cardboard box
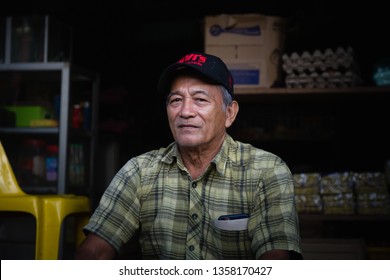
[372,195]
[337,193]
[250,44]
[307,192]
[342,193]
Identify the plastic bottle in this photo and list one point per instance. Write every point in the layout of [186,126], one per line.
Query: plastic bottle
[32,162]
[76,116]
[51,163]
[86,115]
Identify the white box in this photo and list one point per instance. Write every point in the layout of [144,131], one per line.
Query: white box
[250,44]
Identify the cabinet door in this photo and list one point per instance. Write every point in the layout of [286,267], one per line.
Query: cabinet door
[81,141]
[51,150]
[29,126]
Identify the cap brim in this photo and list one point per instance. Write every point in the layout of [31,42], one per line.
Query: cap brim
[170,73]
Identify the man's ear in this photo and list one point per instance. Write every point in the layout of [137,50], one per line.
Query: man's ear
[231,113]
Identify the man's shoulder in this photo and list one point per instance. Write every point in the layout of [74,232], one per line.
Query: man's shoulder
[154,156]
[239,147]
[246,153]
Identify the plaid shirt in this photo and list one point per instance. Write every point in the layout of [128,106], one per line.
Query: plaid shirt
[154,192]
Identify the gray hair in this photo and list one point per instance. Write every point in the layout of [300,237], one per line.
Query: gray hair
[227,98]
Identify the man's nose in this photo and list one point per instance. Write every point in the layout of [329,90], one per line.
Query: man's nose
[187,109]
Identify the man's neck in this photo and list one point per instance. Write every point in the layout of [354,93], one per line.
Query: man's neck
[196,160]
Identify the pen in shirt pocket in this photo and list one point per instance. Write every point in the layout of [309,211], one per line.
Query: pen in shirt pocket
[234,216]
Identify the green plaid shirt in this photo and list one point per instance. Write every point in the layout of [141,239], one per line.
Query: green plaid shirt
[175,214]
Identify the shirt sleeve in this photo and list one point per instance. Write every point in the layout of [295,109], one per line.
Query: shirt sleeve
[274,221]
[116,219]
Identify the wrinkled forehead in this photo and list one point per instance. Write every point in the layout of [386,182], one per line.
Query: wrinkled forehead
[190,73]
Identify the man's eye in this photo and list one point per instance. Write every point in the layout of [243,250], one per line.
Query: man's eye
[175,100]
[201,100]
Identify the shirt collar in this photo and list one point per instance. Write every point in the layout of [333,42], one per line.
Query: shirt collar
[222,157]
[220,160]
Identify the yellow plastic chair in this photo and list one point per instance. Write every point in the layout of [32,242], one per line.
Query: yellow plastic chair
[49,210]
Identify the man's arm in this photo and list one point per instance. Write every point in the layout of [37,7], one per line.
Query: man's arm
[94,248]
[281,255]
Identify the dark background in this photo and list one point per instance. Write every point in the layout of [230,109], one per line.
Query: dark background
[129,43]
[125,40]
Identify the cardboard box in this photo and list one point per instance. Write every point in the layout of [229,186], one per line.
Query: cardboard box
[250,44]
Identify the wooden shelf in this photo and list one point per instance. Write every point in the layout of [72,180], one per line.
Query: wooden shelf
[342,218]
[29,130]
[277,91]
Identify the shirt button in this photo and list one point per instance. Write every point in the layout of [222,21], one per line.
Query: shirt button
[194,185]
[194,216]
[191,248]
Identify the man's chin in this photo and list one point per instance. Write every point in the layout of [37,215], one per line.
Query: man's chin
[188,142]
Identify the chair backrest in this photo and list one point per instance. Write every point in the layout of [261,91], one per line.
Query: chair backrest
[8,183]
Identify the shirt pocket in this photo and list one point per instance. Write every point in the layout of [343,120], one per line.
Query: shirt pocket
[233,242]
[232,225]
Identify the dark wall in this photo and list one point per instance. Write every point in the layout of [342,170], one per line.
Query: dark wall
[129,43]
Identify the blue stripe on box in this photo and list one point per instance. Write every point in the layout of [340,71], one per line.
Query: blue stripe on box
[246,76]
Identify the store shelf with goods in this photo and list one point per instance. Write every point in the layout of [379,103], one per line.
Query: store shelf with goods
[36,103]
[372,230]
[329,132]
[319,130]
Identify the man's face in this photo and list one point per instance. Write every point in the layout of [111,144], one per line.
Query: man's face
[195,113]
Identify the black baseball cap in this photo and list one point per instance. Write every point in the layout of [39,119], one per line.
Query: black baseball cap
[210,66]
